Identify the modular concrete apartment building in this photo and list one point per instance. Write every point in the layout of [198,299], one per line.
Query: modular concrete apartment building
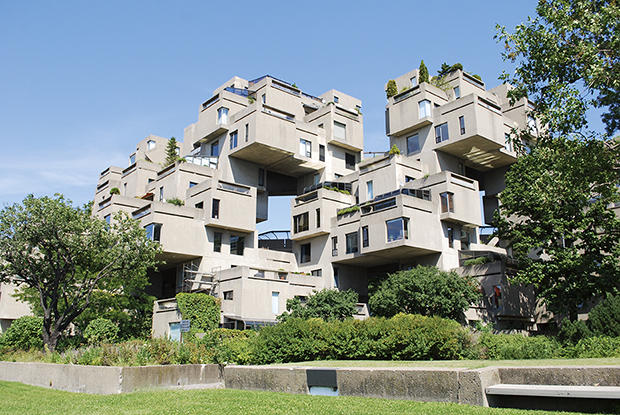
[352,218]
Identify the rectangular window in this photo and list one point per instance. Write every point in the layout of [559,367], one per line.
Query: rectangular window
[222,116]
[447,202]
[233,140]
[215,211]
[508,142]
[334,246]
[352,242]
[150,145]
[441,133]
[275,301]
[414,81]
[300,223]
[397,229]
[321,152]
[161,193]
[132,159]
[304,253]
[217,242]
[247,132]
[336,277]
[425,108]
[413,144]
[317,273]
[318,218]
[365,240]
[305,148]
[462,124]
[450,237]
[498,301]
[237,245]
[264,98]
[349,161]
[153,231]
[228,295]
[336,99]
[369,192]
[457,92]
[409,179]
[261,177]
[199,205]
[107,218]
[340,131]
[215,148]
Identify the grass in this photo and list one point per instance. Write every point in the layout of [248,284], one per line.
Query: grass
[461,364]
[18,398]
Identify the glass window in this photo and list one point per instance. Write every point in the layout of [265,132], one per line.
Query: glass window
[107,218]
[132,159]
[304,252]
[498,301]
[336,277]
[318,218]
[441,133]
[161,193]
[369,192]
[462,124]
[336,99]
[365,240]
[321,152]
[409,179]
[247,132]
[317,273]
[425,108]
[150,145]
[457,92]
[300,223]
[215,212]
[349,161]
[261,177]
[153,231]
[199,205]
[414,81]
[217,242]
[174,331]
[228,295]
[413,144]
[340,131]
[316,178]
[508,142]
[305,148]
[275,301]
[447,203]
[352,242]
[334,246]
[450,238]
[233,140]
[397,229]
[236,245]
[264,98]
[222,116]
[215,148]
[192,184]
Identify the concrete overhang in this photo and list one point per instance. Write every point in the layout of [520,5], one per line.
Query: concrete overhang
[478,152]
[277,160]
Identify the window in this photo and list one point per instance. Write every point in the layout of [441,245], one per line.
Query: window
[261,177]
[447,203]
[264,98]
[352,242]
[228,295]
[153,231]
[340,131]
[334,246]
[125,190]
[531,123]
[321,125]
[336,99]
[336,277]
[107,218]
[414,81]
[450,237]
[192,184]
[233,140]
[498,301]
[161,193]
[441,133]
[508,142]
[150,145]
[409,179]
[222,116]
[304,253]
[365,236]
[317,273]
[465,240]
[215,211]
[132,159]
[247,132]
[321,152]
[236,245]
[457,92]
[215,148]
[349,161]
[300,223]
[275,301]
[337,176]
[305,148]
[413,144]
[318,218]
[369,192]
[177,151]
[397,229]
[461,169]
[316,178]
[462,124]
[199,205]
[217,242]
[425,108]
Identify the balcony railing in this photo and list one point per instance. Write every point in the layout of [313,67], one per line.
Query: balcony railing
[335,185]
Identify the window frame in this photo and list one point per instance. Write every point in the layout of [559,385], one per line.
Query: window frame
[448,206]
[234,136]
[462,124]
[217,241]
[301,222]
[352,242]
[441,133]
[215,209]
[424,108]
[305,253]
[365,237]
[403,229]
[417,141]
[237,245]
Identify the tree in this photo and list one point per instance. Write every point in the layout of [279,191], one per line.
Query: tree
[391,89]
[65,254]
[328,305]
[423,72]
[425,291]
[171,151]
[568,61]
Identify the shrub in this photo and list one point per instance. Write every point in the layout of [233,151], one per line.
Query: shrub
[101,330]
[476,261]
[350,209]
[423,72]
[604,319]
[394,150]
[201,309]
[516,346]
[591,347]
[176,201]
[229,346]
[328,305]
[391,89]
[115,191]
[573,331]
[24,333]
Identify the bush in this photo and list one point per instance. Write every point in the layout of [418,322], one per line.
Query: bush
[394,150]
[604,319]
[176,201]
[476,261]
[328,305]
[391,89]
[573,331]
[229,346]
[592,347]
[115,191]
[516,346]
[101,330]
[201,309]
[24,333]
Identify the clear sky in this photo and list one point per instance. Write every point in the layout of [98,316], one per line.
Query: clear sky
[81,82]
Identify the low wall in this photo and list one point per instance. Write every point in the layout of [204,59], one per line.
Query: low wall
[107,380]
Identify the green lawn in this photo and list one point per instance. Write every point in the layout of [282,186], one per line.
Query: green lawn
[22,399]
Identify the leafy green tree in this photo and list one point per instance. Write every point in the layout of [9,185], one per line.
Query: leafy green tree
[24,333]
[101,330]
[425,291]
[568,61]
[65,254]
[392,89]
[329,305]
[423,73]
[201,309]
[171,151]
[604,319]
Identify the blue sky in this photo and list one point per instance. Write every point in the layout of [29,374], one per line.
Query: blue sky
[81,82]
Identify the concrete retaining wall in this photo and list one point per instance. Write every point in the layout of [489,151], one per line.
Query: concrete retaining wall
[107,380]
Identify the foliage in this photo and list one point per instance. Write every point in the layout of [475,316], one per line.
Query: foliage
[426,291]
[446,69]
[573,331]
[115,191]
[335,189]
[171,152]
[423,73]
[556,206]
[176,201]
[596,346]
[604,319]
[101,330]
[229,346]
[391,89]
[567,62]
[476,261]
[24,333]
[64,254]
[328,305]
[350,209]
[201,309]
[394,150]
[516,346]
